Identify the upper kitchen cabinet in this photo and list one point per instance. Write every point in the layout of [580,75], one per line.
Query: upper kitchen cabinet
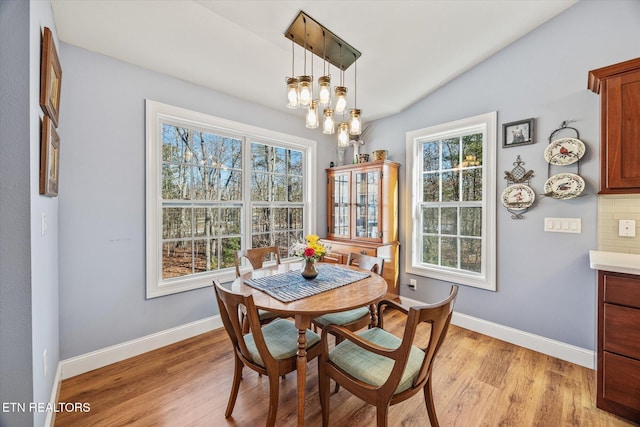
[619,89]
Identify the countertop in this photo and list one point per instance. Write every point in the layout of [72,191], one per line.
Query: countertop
[614,261]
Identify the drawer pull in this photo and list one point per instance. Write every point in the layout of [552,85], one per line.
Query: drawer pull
[363,252]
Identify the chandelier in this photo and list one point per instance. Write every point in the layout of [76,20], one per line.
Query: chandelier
[323,105]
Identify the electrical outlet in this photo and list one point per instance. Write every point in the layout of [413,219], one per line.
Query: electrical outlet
[44,361]
[412,284]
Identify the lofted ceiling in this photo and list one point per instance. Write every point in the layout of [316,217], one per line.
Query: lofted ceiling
[409,48]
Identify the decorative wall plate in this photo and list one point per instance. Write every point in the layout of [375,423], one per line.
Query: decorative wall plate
[564,151]
[518,196]
[564,186]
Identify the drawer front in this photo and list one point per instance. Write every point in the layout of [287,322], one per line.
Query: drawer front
[621,380]
[622,290]
[622,330]
[346,249]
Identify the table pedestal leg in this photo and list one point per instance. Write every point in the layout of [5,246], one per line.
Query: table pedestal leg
[301,366]
[373,308]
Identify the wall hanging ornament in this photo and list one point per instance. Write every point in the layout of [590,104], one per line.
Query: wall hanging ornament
[564,152]
[518,196]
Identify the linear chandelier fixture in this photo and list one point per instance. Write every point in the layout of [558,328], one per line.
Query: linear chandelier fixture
[317,40]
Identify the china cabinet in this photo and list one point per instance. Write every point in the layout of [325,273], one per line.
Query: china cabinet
[362,214]
[618,375]
[619,89]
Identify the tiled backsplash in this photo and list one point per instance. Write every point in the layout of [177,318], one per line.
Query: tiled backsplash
[611,209]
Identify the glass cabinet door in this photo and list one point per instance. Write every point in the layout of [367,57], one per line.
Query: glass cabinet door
[367,202]
[340,217]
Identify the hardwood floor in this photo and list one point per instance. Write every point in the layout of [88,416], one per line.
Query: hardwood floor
[478,381]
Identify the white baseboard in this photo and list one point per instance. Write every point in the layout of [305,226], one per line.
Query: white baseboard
[568,352]
[97,359]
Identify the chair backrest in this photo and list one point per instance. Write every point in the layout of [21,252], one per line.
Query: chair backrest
[230,305]
[256,256]
[366,262]
[438,315]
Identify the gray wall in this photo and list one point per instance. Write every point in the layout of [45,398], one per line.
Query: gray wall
[28,261]
[544,284]
[102,198]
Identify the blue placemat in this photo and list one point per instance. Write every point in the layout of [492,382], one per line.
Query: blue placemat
[291,286]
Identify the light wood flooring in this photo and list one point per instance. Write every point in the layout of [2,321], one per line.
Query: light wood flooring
[478,381]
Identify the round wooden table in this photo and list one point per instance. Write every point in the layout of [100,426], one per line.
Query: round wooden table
[357,294]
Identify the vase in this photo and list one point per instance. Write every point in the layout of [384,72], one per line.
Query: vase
[309,271]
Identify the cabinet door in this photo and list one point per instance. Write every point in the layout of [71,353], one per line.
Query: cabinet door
[623,131]
[339,203]
[367,197]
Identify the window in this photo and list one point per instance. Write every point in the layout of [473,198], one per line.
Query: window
[451,175]
[215,186]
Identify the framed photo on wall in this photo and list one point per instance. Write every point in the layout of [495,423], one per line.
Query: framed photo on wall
[49,158]
[50,77]
[518,133]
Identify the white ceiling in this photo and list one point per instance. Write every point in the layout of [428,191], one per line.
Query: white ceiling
[409,48]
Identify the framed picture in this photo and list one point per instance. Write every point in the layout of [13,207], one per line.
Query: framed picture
[49,158]
[50,77]
[518,133]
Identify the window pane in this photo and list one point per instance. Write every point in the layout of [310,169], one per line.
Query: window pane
[430,249]
[230,185]
[261,220]
[430,187]
[450,186]
[279,189]
[449,221]
[280,160]
[176,181]
[471,254]
[296,218]
[205,255]
[205,220]
[449,255]
[176,259]
[295,162]
[295,189]
[230,246]
[204,148]
[176,223]
[230,221]
[259,187]
[472,146]
[430,156]
[174,143]
[280,219]
[471,221]
[260,157]
[260,240]
[472,184]
[281,240]
[230,153]
[450,153]
[205,183]
[430,220]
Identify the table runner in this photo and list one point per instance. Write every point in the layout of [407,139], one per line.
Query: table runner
[291,286]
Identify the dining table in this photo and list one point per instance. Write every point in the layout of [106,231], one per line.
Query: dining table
[280,289]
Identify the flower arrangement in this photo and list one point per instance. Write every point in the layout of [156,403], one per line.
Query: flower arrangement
[310,249]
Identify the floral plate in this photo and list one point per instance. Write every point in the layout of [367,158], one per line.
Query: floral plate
[518,196]
[564,151]
[564,186]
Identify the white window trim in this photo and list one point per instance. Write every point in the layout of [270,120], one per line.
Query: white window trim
[156,113]
[486,279]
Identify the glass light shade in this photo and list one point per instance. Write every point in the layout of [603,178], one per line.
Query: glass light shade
[343,135]
[305,91]
[328,125]
[355,124]
[312,115]
[292,92]
[324,90]
[341,99]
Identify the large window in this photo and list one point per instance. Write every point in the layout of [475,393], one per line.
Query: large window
[451,174]
[216,186]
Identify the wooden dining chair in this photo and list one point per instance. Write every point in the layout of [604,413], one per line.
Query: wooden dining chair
[257,257]
[360,317]
[380,368]
[270,349]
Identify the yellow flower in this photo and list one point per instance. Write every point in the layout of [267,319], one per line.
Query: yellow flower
[312,239]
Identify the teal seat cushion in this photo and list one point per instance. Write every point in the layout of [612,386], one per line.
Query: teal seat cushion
[264,314]
[373,368]
[281,337]
[343,317]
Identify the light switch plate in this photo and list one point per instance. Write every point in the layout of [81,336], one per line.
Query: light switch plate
[563,225]
[627,228]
